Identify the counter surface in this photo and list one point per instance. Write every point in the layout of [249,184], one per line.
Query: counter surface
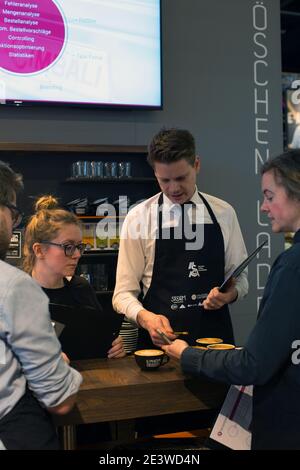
[114,390]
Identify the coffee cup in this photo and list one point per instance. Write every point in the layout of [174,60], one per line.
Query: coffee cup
[207,341]
[150,359]
[221,346]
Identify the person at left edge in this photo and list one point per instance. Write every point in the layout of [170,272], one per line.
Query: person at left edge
[34,378]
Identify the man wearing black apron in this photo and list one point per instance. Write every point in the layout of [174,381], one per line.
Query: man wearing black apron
[176,270]
[179,277]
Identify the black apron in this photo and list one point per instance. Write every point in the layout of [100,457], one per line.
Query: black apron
[28,426]
[182,278]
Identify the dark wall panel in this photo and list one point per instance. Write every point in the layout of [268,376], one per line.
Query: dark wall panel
[217,56]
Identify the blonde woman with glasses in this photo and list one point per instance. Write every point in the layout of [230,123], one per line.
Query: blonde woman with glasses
[53,246]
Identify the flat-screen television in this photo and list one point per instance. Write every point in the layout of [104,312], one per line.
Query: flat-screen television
[81,52]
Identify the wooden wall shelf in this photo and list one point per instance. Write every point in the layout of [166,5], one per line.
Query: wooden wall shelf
[134,179]
[44,147]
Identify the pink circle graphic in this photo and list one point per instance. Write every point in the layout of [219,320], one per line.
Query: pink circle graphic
[32,36]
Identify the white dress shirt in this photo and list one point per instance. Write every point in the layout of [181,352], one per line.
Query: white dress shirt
[137,246]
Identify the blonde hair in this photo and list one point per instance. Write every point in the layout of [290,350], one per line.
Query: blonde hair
[45,224]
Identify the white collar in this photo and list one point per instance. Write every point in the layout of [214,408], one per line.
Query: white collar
[174,207]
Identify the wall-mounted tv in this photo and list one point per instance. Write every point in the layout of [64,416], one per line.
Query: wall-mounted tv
[81,52]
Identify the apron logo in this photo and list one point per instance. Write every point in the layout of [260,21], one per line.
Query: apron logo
[195,270]
[178,299]
[199,296]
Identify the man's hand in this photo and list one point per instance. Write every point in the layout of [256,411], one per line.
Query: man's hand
[151,322]
[117,349]
[175,349]
[217,299]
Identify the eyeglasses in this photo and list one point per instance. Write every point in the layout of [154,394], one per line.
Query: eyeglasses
[16,214]
[69,248]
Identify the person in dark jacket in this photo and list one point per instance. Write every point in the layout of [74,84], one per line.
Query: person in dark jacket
[270,359]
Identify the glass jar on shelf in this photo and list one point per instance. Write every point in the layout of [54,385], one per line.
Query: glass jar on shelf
[88,235]
[101,243]
[113,235]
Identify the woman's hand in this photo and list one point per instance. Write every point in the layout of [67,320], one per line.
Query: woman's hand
[175,349]
[117,349]
[65,358]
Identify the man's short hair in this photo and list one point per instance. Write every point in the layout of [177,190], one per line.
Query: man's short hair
[171,145]
[11,183]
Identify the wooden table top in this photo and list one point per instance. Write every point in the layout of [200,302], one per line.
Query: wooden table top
[116,389]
